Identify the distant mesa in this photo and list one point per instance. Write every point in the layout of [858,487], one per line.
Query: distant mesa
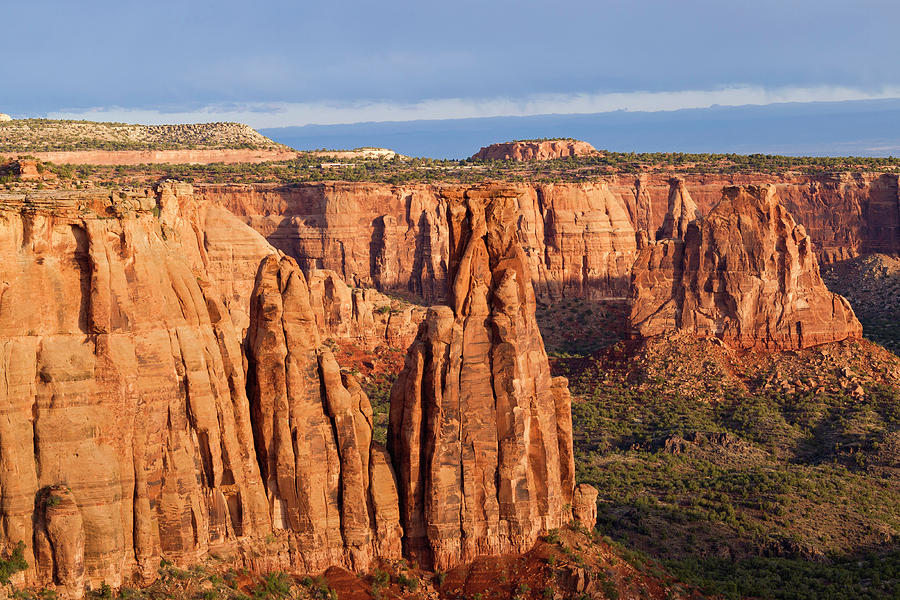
[5,117]
[542,149]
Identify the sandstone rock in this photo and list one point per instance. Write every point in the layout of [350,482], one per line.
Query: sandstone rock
[535,150]
[313,431]
[127,386]
[59,540]
[745,274]
[579,238]
[585,506]
[481,465]
[681,210]
[364,316]
[125,404]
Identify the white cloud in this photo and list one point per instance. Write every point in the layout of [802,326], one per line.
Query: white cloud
[262,115]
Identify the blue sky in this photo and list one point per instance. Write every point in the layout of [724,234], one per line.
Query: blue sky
[282,63]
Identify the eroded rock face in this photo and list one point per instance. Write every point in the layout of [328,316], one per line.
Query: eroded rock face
[313,431]
[680,211]
[579,238]
[746,273]
[479,431]
[361,315]
[128,433]
[122,380]
[535,150]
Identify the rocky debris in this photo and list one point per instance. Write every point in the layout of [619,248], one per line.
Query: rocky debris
[535,150]
[313,431]
[5,118]
[745,274]
[480,432]
[681,211]
[872,286]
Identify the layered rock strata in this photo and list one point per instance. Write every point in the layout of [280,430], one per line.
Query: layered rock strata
[746,273]
[122,391]
[393,237]
[479,431]
[174,396]
[579,238]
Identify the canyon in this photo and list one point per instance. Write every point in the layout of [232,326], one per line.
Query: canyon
[177,395]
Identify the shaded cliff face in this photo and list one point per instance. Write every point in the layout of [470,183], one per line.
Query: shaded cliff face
[579,238]
[479,430]
[746,273]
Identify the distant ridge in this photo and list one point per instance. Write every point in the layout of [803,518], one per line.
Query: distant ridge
[45,135]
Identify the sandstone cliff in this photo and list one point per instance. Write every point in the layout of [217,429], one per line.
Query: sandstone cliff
[746,273]
[122,394]
[174,396]
[479,431]
[313,431]
[535,150]
[125,398]
[579,238]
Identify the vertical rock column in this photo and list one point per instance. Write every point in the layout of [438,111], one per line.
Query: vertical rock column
[313,430]
[480,433]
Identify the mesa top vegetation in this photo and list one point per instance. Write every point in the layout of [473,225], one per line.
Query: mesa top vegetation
[47,135]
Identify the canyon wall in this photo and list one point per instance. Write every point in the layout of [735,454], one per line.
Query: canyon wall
[746,273]
[580,238]
[136,421]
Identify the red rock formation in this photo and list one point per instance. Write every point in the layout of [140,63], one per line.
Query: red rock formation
[578,237]
[313,432]
[535,150]
[479,430]
[680,211]
[126,387]
[746,274]
[361,315]
[124,397]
